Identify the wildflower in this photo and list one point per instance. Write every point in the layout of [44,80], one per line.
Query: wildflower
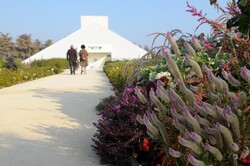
[189,144]
[187,134]
[245,74]
[212,140]
[190,95]
[216,152]
[140,95]
[189,49]
[194,88]
[214,97]
[225,85]
[163,74]
[192,121]
[194,161]
[174,113]
[160,83]
[174,153]
[152,129]
[157,102]
[197,138]
[217,135]
[205,68]
[234,122]
[196,43]
[175,97]
[235,147]
[160,126]
[215,80]
[209,110]
[145,145]
[201,120]
[139,119]
[173,68]
[195,66]
[162,93]
[200,109]
[177,124]
[226,133]
[245,156]
[246,159]
[173,44]
[232,80]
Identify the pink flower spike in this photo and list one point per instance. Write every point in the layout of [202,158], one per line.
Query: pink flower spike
[194,161]
[187,59]
[174,153]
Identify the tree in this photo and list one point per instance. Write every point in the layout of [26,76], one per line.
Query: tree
[48,43]
[7,47]
[37,46]
[24,46]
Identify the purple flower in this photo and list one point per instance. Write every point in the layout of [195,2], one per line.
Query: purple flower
[189,49]
[232,80]
[197,138]
[194,161]
[173,44]
[189,144]
[225,132]
[192,121]
[216,152]
[140,95]
[195,66]
[245,74]
[196,43]
[177,124]
[153,130]
[174,153]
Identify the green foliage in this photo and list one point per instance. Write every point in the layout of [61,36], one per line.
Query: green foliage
[22,48]
[115,72]
[241,21]
[149,74]
[54,62]
[28,73]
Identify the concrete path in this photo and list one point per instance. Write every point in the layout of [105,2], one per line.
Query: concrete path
[49,121]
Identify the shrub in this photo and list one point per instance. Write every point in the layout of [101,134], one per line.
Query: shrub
[28,73]
[120,139]
[115,72]
[198,114]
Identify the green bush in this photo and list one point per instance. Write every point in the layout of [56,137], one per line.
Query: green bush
[30,72]
[55,62]
[115,72]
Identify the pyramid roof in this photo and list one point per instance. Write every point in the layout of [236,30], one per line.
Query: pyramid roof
[97,38]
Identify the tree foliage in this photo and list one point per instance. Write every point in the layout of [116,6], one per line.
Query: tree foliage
[23,47]
[6,45]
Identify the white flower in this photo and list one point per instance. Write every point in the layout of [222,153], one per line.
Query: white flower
[163,74]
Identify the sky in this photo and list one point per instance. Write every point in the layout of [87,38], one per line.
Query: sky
[134,20]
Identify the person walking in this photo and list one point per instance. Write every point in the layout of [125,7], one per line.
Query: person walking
[72,58]
[83,59]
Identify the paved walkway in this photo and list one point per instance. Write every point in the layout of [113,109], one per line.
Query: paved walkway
[49,121]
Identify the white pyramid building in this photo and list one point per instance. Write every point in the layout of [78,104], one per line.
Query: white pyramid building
[101,43]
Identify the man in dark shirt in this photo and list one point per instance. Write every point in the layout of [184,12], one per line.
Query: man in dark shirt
[72,58]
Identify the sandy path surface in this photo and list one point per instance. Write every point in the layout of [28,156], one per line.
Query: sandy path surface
[49,121]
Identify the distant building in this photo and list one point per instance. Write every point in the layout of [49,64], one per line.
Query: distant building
[101,43]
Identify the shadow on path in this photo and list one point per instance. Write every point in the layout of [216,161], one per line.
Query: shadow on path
[54,126]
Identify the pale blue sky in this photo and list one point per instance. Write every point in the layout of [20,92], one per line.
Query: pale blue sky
[132,19]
